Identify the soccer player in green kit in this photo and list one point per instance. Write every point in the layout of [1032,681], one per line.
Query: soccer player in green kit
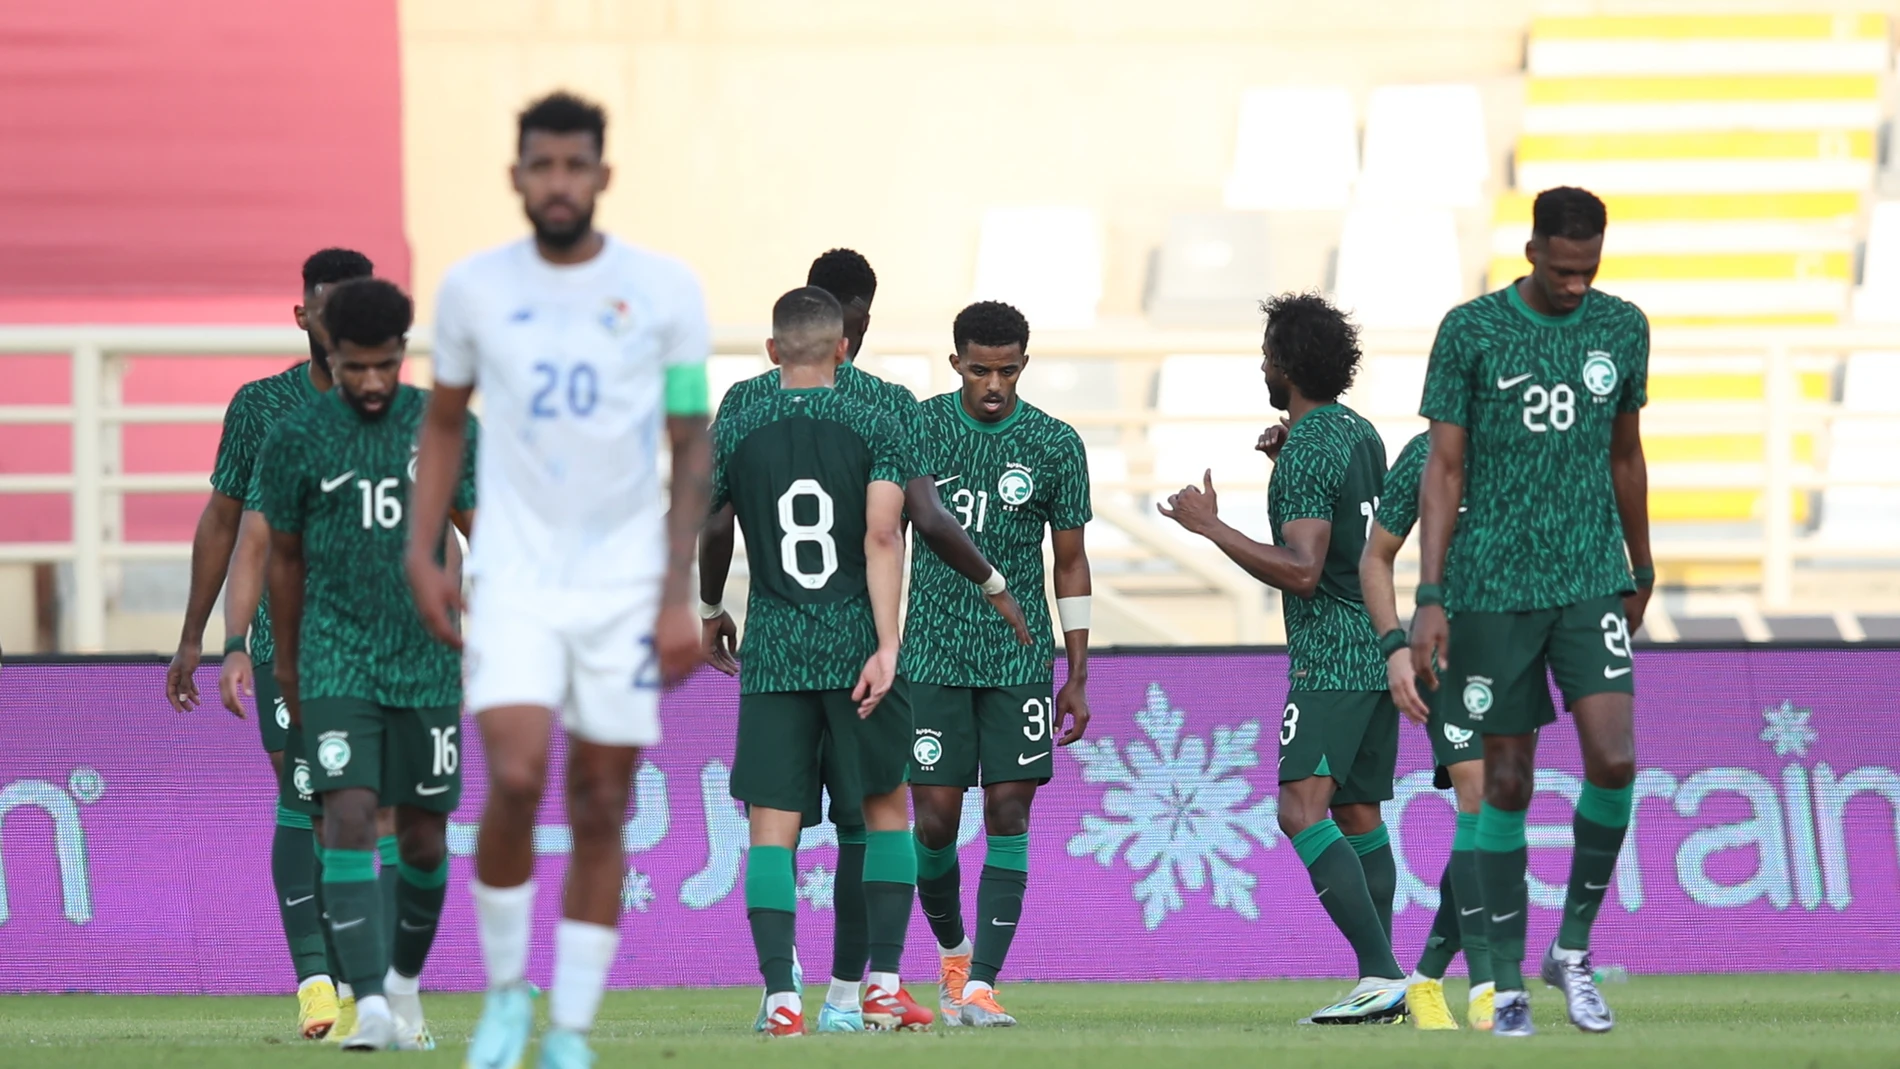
[1339,733]
[815,481]
[981,703]
[1535,395]
[377,700]
[253,411]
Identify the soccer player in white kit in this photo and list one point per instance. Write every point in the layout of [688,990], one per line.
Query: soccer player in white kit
[582,599]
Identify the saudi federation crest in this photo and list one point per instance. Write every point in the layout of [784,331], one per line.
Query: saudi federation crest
[1477,697]
[927,750]
[1599,373]
[1015,487]
[300,779]
[1457,736]
[333,753]
[282,715]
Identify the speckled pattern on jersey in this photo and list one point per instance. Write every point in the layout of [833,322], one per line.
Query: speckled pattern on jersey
[1331,468]
[796,466]
[881,395]
[1537,397]
[1398,502]
[254,410]
[1004,482]
[343,482]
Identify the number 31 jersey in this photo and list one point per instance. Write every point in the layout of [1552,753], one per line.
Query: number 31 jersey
[579,365]
[796,465]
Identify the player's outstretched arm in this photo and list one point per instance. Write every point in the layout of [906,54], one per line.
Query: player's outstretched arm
[1440,490]
[952,544]
[1074,588]
[883,578]
[718,634]
[1629,474]
[286,613]
[211,548]
[246,589]
[1382,604]
[1294,567]
[439,448]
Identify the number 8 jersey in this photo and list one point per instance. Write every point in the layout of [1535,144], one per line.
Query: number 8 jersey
[795,466]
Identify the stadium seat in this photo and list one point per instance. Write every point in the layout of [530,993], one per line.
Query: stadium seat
[1424,147]
[1185,443]
[1047,261]
[1211,270]
[1619,103]
[1296,149]
[1863,442]
[1878,298]
[1725,43]
[1399,268]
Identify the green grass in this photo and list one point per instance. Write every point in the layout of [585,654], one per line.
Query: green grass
[1678,1022]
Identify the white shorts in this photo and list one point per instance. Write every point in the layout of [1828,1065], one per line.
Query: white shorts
[588,653]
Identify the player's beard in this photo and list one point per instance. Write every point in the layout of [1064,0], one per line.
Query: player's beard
[318,355]
[565,237]
[1278,395]
[356,403]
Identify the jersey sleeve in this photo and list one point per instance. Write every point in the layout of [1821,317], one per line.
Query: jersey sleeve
[281,480]
[1635,393]
[1447,395]
[237,447]
[722,436]
[688,343]
[455,353]
[1313,476]
[1071,507]
[1398,503]
[891,460]
[471,443]
[907,419]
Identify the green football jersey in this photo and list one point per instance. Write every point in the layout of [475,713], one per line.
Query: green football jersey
[342,482]
[796,465]
[853,382]
[1398,502]
[1004,482]
[1331,468]
[254,410]
[1537,396]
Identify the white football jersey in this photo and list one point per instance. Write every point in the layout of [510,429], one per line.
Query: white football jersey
[571,362]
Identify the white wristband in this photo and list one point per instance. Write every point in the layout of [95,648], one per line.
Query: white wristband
[711,612]
[995,584]
[1074,613]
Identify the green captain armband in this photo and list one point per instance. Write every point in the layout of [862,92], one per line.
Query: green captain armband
[1392,642]
[1645,577]
[235,644]
[686,392]
[1430,594]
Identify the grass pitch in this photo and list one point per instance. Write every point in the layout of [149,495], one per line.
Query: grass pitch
[1725,1022]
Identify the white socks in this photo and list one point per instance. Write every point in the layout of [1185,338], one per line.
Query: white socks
[1419,978]
[962,948]
[343,991]
[395,983]
[502,915]
[583,953]
[784,1000]
[887,981]
[320,978]
[372,1006]
[970,989]
[405,997]
[843,994]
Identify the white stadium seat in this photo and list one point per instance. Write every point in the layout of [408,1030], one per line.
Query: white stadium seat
[1296,149]
[1399,268]
[1047,261]
[1878,298]
[1424,147]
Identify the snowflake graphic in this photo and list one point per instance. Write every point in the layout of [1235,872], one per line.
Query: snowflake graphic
[1174,810]
[1788,729]
[816,886]
[636,892]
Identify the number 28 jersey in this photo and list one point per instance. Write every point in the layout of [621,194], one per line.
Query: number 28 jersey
[1537,396]
[796,465]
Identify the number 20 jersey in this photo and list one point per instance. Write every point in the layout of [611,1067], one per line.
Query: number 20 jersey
[796,465]
[575,364]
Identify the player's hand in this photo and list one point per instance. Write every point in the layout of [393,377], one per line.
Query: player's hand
[1012,613]
[180,688]
[676,638]
[287,685]
[1196,508]
[875,681]
[1635,606]
[1403,683]
[1072,705]
[438,598]
[236,677]
[1274,437]
[719,641]
[1431,643]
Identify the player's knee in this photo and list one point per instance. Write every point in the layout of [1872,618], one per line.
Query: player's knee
[1508,786]
[516,783]
[597,810]
[424,848]
[934,830]
[1006,816]
[1614,772]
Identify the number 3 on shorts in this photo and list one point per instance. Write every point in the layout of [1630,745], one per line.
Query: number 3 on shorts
[1290,726]
[1037,709]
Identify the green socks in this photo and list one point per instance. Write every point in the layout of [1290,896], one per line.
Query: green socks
[1446,938]
[293,873]
[769,901]
[851,942]
[419,895]
[1382,872]
[999,904]
[1603,817]
[388,854]
[355,906]
[1469,895]
[940,892]
[1340,881]
[890,878]
[1501,862]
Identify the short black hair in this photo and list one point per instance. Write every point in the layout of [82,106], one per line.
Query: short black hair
[1568,212]
[846,275]
[367,312]
[326,267]
[805,310]
[991,323]
[561,112]
[1316,344]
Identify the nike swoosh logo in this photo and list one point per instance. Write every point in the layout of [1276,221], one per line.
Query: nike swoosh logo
[340,925]
[951,479]
[1469,912]
[1505,384]
[935,916]
[1021,760]
[298,901]
[1615,673]
[426,791]
[1495,919]
[331,484]
[1002,923]
[407,927]
[1588,886]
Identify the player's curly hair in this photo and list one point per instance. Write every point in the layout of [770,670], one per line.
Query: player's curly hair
[367,312]
[991,323]
[846,275]
[327,267]
[562,112]
[1316,344]
[1568,212]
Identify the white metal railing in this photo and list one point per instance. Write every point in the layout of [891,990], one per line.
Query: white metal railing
[1133,356]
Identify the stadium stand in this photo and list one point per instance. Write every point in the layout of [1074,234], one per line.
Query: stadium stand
[1425,147]
[1047,261]
[1296,149]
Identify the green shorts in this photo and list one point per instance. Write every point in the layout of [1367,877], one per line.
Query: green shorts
[407,756]
[1350,735]
[782,739]
[1451,744]
[1499,661]
[883,762]
[963,736]
[295,782]
[273,716]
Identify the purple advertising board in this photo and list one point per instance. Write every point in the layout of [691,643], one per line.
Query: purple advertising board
[134,841]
